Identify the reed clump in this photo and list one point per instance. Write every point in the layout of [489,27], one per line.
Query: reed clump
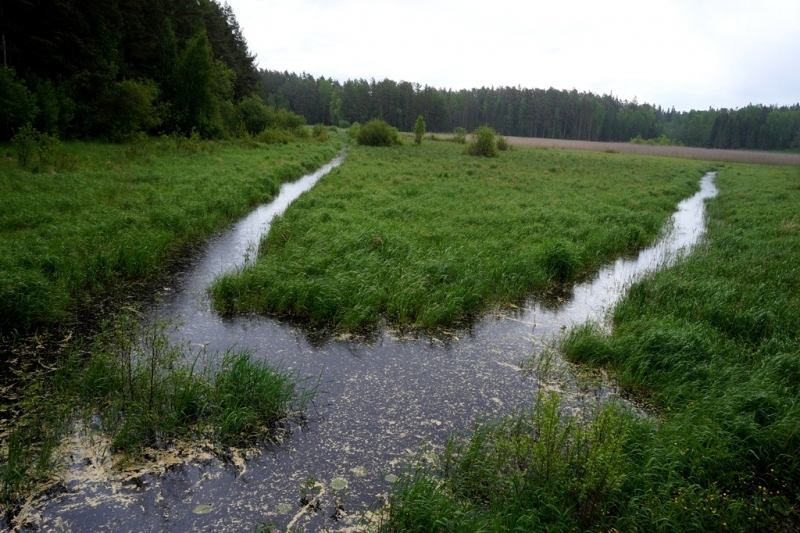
[143,391]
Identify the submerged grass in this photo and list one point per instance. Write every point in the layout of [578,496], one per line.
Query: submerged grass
[426,235]
[115,213]
[713,343]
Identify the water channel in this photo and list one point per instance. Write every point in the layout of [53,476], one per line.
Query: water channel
[385,397]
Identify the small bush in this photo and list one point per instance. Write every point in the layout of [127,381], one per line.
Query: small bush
[29,142]
[483,142]
[151,391]
[255,115]
[502,143]
[344,124]
[460,135]
[377,132]
[132,108]
[25,143]
[17,104]
[419,130]
[320,132]
[274,136]
[288,120]
[661,140]
[353,130]
[288,171]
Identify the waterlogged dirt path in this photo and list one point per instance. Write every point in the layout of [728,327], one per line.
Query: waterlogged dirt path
[385,398]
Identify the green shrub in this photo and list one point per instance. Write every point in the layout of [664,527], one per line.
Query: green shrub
[25,143]
[288,171]
[460,135]
[49,149]
[353,129]
[661,140]
[255,115]
[502,143]
[274,136]
[419,130]
[377,132]
[132,108]
[344,124]
[288,120]
[483,142]
[320,132]
[17,104]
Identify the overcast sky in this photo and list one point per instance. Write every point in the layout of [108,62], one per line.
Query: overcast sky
[683,53]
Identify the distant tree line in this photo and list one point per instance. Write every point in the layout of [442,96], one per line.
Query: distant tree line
[106,69]
[528,112]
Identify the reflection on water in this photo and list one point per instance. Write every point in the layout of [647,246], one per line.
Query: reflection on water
[385,396]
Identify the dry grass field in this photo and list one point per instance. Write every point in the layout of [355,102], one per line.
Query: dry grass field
[707,154]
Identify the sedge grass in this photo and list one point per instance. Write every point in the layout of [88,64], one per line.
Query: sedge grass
[713,344]
[426,235]
[142,391]
[116,213]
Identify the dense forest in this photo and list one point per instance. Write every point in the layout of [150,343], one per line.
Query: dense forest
[100,69]
[529,112]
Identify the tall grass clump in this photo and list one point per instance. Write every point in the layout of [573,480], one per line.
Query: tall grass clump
[540,470]
[117,213]
[149,390]
[143,391]
[560,259]
[427,236]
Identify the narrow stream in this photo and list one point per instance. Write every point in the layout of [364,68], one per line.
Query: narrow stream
[385,397]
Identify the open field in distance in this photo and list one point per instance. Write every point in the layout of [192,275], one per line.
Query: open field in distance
[706,154]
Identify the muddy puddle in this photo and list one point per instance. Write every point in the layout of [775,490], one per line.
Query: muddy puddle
[386,398]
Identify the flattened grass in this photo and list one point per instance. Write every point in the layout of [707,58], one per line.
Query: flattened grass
[426,235]
[115,214]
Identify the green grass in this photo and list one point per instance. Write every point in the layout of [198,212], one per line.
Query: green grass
[143,391]
[713,344]
[104,214]
[426,235]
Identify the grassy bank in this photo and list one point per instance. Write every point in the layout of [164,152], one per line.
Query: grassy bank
[713,344]
[102,214]
[427,235]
